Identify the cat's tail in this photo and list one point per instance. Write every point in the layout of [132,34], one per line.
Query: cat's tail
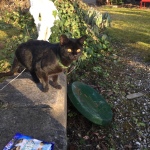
[14,69]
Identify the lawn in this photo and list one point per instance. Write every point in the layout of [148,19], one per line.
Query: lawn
[130,27]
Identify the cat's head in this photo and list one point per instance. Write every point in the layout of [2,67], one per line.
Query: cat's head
[71,48]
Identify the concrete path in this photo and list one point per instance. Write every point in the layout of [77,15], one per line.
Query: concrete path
[24,108]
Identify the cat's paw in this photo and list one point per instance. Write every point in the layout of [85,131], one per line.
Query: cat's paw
[45,89]
[57,86]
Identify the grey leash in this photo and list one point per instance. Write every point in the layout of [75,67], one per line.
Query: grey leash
[12,80]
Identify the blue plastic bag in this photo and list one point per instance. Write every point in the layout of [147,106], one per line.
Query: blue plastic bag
[23,142]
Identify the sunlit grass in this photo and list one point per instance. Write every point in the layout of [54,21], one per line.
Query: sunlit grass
[130,27]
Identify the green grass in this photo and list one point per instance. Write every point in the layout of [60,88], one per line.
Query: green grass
[130,27]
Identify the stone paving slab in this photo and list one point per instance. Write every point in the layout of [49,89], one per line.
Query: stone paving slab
[24,108]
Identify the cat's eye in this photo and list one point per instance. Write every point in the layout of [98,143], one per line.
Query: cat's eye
[78,50]
[69,50]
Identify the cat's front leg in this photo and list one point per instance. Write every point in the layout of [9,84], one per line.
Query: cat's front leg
[45,87]
[45,83]
[55,83]
[44,80]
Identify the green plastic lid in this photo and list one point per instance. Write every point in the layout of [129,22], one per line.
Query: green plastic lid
[90,103]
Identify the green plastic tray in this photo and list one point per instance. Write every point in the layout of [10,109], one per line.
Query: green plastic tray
[90,103]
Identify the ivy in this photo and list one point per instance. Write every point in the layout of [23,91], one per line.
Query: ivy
[76,19]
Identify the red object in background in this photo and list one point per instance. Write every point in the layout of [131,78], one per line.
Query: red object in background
[144,1]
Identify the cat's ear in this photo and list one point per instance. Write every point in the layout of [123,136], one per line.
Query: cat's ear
[63,39]
[82,39]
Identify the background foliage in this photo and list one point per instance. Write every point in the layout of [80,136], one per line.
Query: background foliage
[76,19]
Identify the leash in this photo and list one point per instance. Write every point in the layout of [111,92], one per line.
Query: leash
[74,67]
[12,80]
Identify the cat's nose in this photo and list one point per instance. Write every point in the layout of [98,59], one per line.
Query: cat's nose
[75,56]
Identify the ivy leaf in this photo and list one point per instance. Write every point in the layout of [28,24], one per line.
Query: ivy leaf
[54,13]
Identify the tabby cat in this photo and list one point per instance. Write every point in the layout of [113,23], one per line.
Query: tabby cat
[43,59]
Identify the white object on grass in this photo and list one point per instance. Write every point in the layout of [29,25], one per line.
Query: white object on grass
[44,9]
